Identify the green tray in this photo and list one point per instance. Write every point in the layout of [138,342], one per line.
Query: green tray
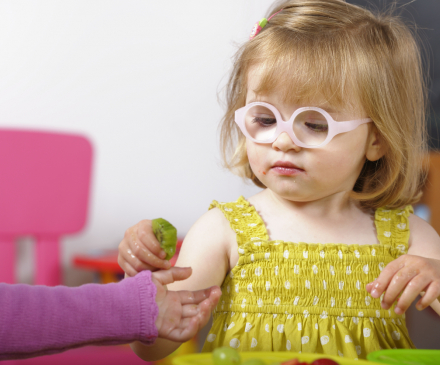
[405,357]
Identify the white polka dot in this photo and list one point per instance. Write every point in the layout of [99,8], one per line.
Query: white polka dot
[276,270]
[355,320]
[373,252]
[258,271]
[378,313]
[295,302]
[306,313]
[367,300]
[383,321]
[306,254]
[348,339]
[307,284]
[267,255]
[401,225]
[267,285]
[332,270]
[325,340]
[266,327]
[358,350]
[340,354]
[288,345]
[349,302]
[249,287]
[241,251]
[248,327]
[243,303]
[348,270]
[340,318]
[280,328]
[381,266]
[286,254]
[324,284]
[211,337]
[340,254]
[332,302]
[358,285]
[232,314]
[334,327]
[341,285]
[299,326]
[231,325]
[277,301]
[287,284]
[254,343]
[244,315]
[260,302]
[236,287]
[323,315]
[252,257]
[387,234]
[367,332]
[365,269]
[361,314]
[243,273]
[395,335]
[316,325]
[357,254]
[275,315]
[304,339]
[322,254]
[234,343]
[315,300]
[315,269]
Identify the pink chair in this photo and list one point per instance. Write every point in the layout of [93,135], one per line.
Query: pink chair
[44,193]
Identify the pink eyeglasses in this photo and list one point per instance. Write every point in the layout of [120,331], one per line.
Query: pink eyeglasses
[308,127]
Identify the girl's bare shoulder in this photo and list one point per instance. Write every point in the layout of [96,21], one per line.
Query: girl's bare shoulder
[423,239]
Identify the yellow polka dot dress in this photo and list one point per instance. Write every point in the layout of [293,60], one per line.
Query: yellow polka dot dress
[300,297]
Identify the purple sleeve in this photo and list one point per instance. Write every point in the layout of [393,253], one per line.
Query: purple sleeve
[41,320]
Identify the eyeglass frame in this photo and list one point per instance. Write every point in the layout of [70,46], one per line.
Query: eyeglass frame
[334,127]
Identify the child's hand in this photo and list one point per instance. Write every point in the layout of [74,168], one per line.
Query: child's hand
[140,250]
[182,313]
[409,275]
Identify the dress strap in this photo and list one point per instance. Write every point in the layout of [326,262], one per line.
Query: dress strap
[244,220]
[393,227]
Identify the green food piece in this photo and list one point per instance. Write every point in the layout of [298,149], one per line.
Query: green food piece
[166,234]
[226,356]
[253,362]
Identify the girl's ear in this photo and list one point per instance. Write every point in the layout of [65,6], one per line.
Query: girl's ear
[376,146]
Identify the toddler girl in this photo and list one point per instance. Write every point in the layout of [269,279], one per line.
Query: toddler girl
[325,112]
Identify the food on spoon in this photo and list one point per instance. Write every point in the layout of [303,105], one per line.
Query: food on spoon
[226,356]
[166,234]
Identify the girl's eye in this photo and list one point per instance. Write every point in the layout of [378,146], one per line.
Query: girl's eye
[317,127]
[264,122]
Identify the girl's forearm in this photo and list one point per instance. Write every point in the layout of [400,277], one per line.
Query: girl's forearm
[158,351]
[40,320]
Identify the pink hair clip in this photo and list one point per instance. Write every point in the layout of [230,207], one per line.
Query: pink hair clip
[260,25]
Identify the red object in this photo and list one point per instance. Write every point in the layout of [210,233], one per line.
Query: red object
[44,193]
[107,261]
[324,362]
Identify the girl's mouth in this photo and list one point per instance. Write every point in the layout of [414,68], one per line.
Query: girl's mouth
[286,168]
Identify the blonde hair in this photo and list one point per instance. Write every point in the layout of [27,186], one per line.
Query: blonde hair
[339,49]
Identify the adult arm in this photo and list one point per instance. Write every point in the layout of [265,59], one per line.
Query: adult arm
[40,320]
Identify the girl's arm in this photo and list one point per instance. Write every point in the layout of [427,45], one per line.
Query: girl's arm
[206,249]
[414,273]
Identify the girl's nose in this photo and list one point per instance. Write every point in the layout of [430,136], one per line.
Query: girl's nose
[284,143]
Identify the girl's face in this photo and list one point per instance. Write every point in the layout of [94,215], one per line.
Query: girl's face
[308,174]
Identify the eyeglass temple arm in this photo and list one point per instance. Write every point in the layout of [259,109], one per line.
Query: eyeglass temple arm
[342,127]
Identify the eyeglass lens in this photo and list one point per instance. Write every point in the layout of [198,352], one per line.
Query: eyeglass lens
[309,126]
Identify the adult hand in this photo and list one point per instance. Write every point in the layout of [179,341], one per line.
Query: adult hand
[182,313]
[140,250]
[410,276]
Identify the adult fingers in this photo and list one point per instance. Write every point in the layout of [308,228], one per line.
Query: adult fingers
[130,263]
[144,233]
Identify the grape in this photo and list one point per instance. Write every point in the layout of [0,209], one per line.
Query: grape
[324,362]
[254,362]
[226,356]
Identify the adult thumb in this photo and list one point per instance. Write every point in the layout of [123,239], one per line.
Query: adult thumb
[174,274]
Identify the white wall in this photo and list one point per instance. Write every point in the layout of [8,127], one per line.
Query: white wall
[140,79]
